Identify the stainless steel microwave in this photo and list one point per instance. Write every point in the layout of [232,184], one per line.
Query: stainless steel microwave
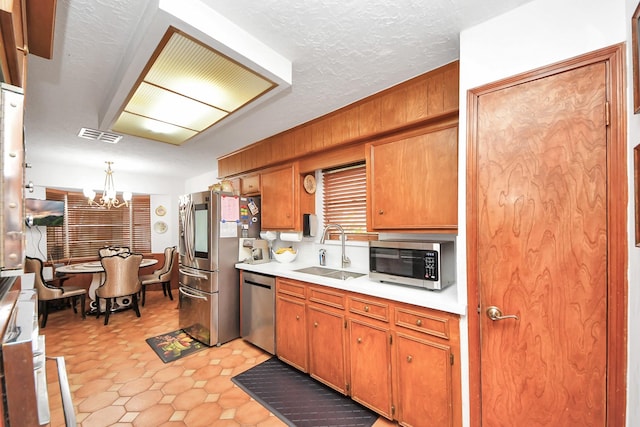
[429,265]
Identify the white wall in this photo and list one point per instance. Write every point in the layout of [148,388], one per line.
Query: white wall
[537,34]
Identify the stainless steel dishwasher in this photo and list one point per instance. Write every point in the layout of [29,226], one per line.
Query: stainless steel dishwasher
[258,307]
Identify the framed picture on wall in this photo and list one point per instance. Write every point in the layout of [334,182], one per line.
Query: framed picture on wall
[636,59]
[636,189]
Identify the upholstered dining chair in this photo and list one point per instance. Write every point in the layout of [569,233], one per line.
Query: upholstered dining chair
[161,275]
[113,250]
[48,293]
[120,281]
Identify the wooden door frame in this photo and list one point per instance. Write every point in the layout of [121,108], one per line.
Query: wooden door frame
[617,191]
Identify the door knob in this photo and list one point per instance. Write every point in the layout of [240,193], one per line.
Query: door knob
[494,313]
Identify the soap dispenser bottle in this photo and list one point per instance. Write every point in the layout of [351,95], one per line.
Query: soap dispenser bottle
[322,254]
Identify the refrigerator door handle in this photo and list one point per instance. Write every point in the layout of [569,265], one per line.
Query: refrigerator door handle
[189,294]
[190,274]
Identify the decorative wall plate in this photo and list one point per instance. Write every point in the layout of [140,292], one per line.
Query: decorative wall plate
[310,184]
[160,227]
[161,211]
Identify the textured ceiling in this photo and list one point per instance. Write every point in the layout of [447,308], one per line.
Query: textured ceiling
[341,51]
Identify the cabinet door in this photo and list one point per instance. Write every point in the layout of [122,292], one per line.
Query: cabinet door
[327,347]
[278,189]
[370,366]
[291,332]
[250,185]
[424,383]
[413,182]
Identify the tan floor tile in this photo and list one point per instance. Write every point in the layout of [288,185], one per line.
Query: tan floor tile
[116,379]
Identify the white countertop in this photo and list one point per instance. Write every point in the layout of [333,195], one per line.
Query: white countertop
[445,300]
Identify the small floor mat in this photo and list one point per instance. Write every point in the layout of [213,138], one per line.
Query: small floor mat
[174,345]
[299,400]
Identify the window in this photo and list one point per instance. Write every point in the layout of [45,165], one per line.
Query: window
[88,228]
[345,201]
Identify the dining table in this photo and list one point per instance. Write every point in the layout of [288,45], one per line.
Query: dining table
[95,268]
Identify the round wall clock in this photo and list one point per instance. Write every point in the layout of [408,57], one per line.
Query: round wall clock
[310,184]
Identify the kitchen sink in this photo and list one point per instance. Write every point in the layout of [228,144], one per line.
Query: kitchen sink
[343,275]
[329,272]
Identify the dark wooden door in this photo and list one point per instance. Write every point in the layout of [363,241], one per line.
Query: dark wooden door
[542,250]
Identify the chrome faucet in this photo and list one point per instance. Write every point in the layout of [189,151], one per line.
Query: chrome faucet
[345,259]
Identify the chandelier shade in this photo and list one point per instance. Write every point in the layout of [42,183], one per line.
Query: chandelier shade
[109,197]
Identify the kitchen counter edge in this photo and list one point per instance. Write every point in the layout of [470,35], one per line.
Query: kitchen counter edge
[445,300]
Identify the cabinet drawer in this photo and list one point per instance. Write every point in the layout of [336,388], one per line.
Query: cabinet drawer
[291,288]
[430,324]
[327,297]
[369,308]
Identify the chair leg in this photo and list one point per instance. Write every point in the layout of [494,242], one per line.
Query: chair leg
[143,294]
[45,314]
[134,302]
[108,310]
[167,285]
[97,307]
[82,304]
[73,301]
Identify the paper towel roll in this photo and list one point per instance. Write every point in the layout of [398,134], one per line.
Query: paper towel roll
[291,236]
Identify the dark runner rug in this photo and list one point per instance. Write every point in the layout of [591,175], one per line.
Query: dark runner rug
[174,345]
[299,400]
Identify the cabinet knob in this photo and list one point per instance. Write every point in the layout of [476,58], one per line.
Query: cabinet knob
[409,359]
[297,317]
[380,212]
[359,340]
[419,322]
[366,308]
[315,324]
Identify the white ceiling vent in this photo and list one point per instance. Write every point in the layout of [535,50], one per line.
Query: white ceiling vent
[98,135]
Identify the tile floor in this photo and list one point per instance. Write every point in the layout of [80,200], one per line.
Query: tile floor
[116,379]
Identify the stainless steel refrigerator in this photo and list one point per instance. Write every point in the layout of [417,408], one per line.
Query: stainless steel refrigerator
[211,224]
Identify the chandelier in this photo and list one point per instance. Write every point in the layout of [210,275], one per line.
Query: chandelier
[108,199]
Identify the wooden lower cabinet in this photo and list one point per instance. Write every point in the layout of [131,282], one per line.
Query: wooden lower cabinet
[291,323]
[327,347]
[291,332]
[370,366]
[400,360]
[424,386]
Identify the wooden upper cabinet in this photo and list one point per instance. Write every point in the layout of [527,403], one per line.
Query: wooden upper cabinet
[14,47]
[425,99]
[278,191]
[250,185]
[26,26]
[283,199]
[412,182]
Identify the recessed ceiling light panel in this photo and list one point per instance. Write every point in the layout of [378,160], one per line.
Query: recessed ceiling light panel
[189,87]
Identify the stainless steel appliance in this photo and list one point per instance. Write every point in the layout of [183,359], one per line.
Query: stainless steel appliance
[429,265]
[25,400]
[12,179]
[258,310]
[211,224]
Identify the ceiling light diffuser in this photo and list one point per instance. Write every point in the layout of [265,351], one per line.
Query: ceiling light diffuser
[185,88]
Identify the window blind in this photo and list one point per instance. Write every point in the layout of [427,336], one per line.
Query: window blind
[345,201]
[89,228]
